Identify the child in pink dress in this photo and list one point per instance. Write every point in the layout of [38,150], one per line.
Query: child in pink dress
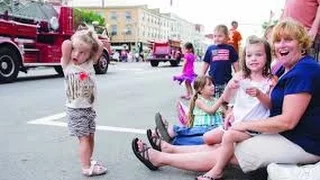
[188,74]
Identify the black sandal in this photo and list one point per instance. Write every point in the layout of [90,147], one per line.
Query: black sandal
[162,127]
[142,155]
[155,141]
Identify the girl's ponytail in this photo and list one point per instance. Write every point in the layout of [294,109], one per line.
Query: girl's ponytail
[190,116]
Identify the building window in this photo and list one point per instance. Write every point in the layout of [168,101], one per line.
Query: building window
[128,30]
[127,15]
[114,30]
[113,15]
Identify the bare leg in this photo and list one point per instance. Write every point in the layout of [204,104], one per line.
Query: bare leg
[188,88]
[91,141]
[169,148]
[170,130]
[84,151]
[226,151]
[213,136]
[199,161]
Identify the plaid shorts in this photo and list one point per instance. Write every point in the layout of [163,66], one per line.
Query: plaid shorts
[218,90]
[81,121]
[314,51]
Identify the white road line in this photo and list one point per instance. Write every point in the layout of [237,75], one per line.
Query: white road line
[51,121]
[47,119]
[130,69]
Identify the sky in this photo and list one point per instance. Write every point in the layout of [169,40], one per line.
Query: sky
[249,13]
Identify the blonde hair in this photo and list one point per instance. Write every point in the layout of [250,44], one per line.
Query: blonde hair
[267,68]
[88,37]
[198,85]
[82,26]
[291,29]
[222,28]
[267,31]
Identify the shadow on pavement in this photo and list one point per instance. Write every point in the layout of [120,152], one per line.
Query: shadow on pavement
[37,77]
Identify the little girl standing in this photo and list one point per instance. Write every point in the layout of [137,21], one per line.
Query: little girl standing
[78,56]
[188,74]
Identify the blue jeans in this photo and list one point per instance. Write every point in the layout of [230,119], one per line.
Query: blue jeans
[190,135]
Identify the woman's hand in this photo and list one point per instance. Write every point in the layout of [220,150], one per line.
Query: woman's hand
[228,120]
[240,126]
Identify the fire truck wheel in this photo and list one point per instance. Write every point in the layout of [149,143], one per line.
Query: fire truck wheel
[9,65]
[154,63]
[174,63]
[102,65]
[59,70]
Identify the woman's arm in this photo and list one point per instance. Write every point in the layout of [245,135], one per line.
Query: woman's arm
[66,49]
[209,109]
[294,106]
[315,25]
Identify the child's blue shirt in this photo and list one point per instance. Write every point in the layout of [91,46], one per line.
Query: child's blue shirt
[221,57]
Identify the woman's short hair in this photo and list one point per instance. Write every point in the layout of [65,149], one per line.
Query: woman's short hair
[291,29]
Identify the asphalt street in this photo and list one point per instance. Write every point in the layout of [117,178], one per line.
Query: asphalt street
[35,144]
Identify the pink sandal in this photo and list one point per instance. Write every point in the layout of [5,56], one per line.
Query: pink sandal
[95,169]
[186,97]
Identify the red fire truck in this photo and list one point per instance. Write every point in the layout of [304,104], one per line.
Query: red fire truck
[164,51]
[31,35]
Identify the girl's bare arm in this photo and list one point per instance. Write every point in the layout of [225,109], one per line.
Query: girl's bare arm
[232,87]
[99,52]
[235,66]
[66,49]
[209,109]
[184,65]
[205,67]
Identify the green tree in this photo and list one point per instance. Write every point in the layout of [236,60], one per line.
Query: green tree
[87,16]
[267,23]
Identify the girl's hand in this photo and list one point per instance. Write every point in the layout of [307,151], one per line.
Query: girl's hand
[254,92]
[234,83]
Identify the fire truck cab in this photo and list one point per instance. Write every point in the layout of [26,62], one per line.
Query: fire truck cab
[31,35]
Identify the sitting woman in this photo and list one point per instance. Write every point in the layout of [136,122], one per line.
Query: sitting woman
[203,116]
[291,133]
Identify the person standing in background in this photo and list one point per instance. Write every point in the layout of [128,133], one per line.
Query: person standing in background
[307,12]
[219,59]
[235,36]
